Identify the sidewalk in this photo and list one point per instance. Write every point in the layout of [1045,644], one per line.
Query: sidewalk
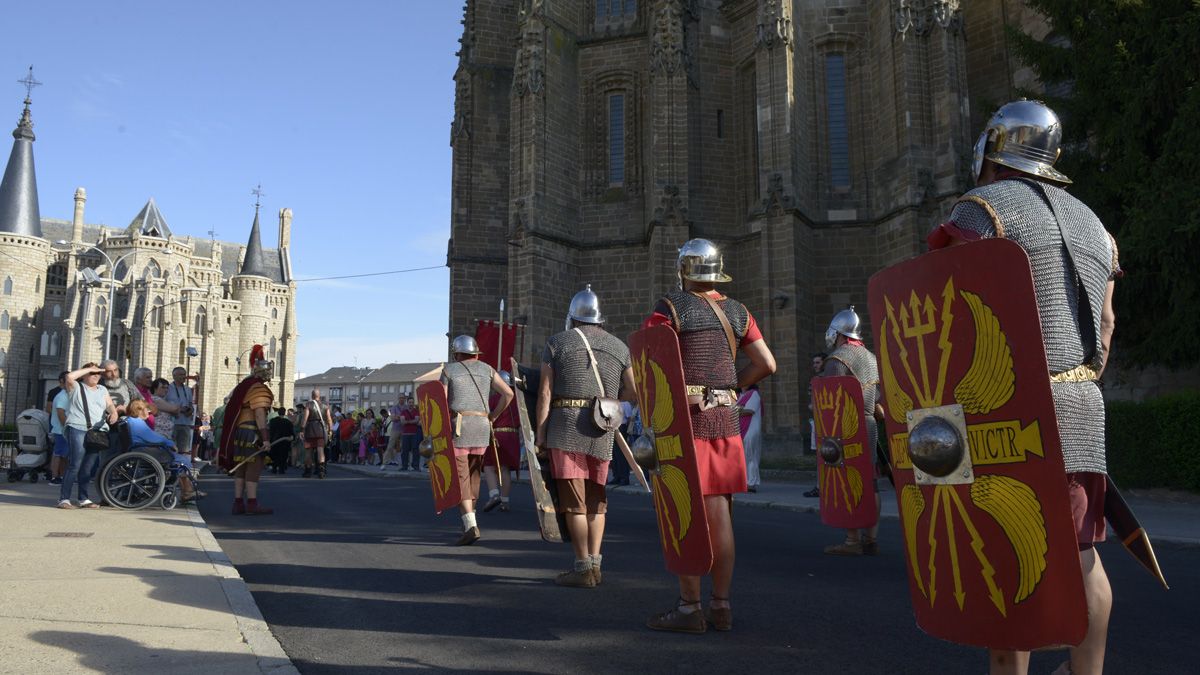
[1167,516]
[122,591]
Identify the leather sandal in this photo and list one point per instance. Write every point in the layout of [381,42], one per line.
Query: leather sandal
[720,617]
[845,548]
[676,621]
[870,546]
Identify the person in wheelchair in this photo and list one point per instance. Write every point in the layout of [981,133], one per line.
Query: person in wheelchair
[142,436]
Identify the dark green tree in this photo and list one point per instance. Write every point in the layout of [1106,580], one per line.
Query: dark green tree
[1123,76]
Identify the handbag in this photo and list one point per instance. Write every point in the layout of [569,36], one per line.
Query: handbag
[94,440]
[606,412]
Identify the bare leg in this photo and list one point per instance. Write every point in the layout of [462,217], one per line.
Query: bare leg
[506,486]
[577,525]
[1088,657]
[490,477]
[595,534]
[1008,663]
[466,506]
[720,535]
[239,487]
[253,471]
[689,589]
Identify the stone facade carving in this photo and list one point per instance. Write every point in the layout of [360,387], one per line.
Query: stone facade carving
[529,75]
[774,24]
[668,45]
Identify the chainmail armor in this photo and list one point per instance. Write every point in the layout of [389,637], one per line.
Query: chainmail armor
[572,429]
[705,351]
[1071,336]
[860,363]
[464,396]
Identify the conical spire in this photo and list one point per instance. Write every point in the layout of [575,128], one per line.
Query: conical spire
[253,263]
[19,213]
[149,222]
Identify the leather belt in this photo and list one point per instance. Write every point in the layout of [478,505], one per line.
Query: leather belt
[1083,373]
[458,415]
[570,403]
[707,398]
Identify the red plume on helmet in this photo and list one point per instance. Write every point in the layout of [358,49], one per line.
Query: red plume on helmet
[257,355]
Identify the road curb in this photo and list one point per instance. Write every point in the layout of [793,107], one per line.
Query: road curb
[255,631]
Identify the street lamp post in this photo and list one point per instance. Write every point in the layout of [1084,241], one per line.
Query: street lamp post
[112,284]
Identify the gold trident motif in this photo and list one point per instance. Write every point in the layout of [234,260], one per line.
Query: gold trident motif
[987,385]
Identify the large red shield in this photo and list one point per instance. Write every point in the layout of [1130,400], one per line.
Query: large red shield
[443,470]
[848,498]
[989,541]
[678,499]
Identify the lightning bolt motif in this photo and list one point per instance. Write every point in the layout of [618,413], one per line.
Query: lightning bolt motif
[986,571]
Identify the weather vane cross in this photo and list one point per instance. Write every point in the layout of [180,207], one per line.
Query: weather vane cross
[212,235]
[29,83]
[258,195]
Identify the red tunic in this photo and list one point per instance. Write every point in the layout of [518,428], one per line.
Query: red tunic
[721,461]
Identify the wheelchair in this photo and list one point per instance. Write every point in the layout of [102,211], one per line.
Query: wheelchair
[133,478]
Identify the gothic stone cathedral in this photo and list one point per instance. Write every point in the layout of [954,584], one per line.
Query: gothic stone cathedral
[816,141]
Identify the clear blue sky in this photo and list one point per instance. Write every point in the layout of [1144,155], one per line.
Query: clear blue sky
[341,110]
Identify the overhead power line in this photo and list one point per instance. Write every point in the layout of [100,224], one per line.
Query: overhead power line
[373,274]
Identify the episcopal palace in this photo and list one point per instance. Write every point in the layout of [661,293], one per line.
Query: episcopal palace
[157,299]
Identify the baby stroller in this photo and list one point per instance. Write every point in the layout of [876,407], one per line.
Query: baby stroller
[34,446]
[133,478]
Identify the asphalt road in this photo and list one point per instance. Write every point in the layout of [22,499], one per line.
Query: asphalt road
[357,575]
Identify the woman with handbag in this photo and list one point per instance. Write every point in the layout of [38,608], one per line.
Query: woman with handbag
[89,412]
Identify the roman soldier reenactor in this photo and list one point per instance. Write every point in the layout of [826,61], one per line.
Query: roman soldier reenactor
[245,438]
[1021,197]
[583,370]
[468,381]
[849,356]
[711,328]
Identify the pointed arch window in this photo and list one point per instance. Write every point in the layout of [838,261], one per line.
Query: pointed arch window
[156,313]
[274,312]
[264,330]
[56,311]
[55,344]
[178,277]
[8,285]
[152,271]
[37,285]
[45,343]
[274,346]
[3,358]
[4,320]
[200,324]
[100,316]
[121,271]
[182,351]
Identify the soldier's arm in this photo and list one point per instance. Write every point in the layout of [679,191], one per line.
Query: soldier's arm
[628,386]
[1108,323]
[506,396]
[762,363]
[543,404]
[260,419]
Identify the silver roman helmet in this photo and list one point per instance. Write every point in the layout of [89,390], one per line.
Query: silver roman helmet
[585,308]
[701,260]
[1023,135]
[464,344]
[846,323]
